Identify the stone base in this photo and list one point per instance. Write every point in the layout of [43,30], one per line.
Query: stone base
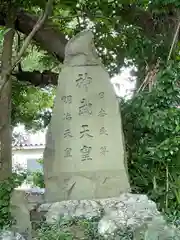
[128,213]
[23,202]
[9,235]
[86,185]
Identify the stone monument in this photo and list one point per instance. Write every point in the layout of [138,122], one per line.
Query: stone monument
[84,156]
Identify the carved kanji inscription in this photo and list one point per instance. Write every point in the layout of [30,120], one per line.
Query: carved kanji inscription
[85,107]
[67,133]
[85,153]
[85,132]
[83,81]
[103,150]
[68,153]
[67,99]
[103,131]
[102,113]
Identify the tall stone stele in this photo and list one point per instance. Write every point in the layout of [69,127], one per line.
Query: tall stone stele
[84,156]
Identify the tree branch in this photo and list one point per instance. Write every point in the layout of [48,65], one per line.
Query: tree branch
[144,19]
[36,27]
[37,78]
[47,34]
[174,41]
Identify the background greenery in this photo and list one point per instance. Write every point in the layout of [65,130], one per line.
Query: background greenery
[136,33]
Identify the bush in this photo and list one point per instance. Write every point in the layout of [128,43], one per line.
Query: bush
[37,177]
[6,188]
[151,123]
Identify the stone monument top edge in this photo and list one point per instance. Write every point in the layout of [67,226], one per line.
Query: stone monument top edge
[82,46]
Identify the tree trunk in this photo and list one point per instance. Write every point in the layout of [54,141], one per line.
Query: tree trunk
[5,104]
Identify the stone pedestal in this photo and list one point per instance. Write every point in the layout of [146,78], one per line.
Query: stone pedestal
[84,155]
[20,212]
[130,215]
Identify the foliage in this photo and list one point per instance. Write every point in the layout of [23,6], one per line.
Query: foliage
[151,122]
[76,228]
[30,104]
[7,187]
[38,177]
[21,3]
[53,232]
[120,41]
[80,228]
[173,217]
[117,37]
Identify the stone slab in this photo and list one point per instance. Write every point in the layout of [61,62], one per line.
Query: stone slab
[84,156]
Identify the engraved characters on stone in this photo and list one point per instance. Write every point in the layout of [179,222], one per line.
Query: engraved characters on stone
[83,81]
[85,132]
[103,150]
[102,113]
[103,131]
[85,108]
[67,116]
[68,153]
[67,99]
[67,133]
[85,153]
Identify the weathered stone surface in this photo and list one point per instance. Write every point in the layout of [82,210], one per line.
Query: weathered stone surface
[20,212]
[128,213]
[35,197]
[69,209]
[159,230]
[9,235]
[84,154]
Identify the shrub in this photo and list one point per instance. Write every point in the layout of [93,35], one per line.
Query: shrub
[37,177]
[151,123]
[6,188]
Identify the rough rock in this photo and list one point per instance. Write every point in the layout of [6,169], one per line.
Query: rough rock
[35,197]
[129,213]
[20,212]
[9,235]
[159,230]
[70,209]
